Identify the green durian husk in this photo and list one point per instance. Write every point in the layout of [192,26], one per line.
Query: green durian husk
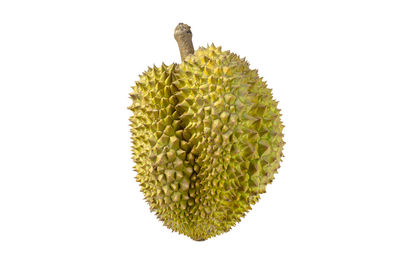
[207,139]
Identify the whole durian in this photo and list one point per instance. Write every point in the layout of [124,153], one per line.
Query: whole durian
[207,138]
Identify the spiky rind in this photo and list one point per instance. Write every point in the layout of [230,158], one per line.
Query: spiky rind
[204,156]
[161,163]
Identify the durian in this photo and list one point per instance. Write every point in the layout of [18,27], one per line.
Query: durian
[207,138]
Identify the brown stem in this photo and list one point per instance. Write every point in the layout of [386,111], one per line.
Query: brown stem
[183,35]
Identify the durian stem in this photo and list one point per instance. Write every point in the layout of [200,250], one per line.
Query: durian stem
[183,35]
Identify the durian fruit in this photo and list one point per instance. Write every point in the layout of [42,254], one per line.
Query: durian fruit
[207,138]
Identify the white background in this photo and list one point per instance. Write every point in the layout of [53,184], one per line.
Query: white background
[67,191]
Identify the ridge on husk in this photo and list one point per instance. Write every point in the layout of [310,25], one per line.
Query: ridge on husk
[207,139]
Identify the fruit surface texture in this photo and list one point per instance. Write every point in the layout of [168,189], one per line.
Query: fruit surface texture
[207,139]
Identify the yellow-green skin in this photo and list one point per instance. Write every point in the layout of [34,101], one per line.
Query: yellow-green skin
[207,139]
